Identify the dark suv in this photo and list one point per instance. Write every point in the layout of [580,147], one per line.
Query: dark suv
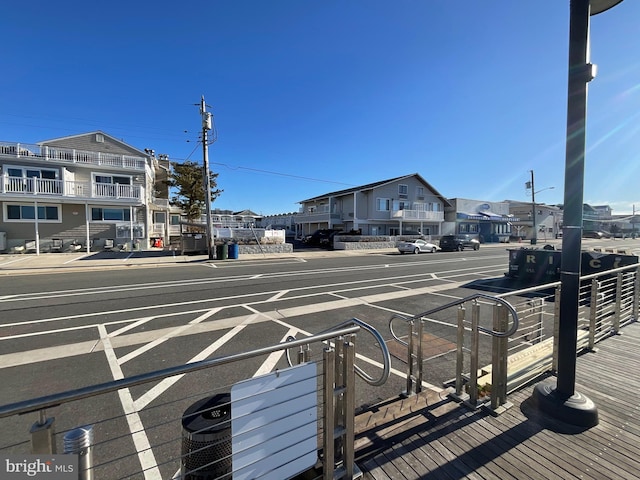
[459,242]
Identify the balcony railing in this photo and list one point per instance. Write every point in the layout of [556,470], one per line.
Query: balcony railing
[417,215]
[69,155]
[67,188]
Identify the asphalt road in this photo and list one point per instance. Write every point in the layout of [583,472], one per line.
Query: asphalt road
[65,331]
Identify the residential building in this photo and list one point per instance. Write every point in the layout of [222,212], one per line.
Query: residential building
[490,221]
[83,191]
[548,220]
[397,206]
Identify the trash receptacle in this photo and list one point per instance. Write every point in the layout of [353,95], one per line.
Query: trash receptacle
[233,251]
[206,438]
[222,251]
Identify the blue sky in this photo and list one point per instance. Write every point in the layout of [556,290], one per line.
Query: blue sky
[310,97]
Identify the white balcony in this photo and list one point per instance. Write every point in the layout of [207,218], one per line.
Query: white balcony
[71,156]
[32,187]
[423,215]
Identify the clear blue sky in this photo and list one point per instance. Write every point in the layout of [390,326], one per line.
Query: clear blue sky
[315,96]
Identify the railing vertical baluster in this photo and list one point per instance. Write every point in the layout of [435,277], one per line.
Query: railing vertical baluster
[419,359]
[556,327]
[460,350]
[499,358]
[329,362]
[537,338]
[410,359]
[349,406]
[593,313]
[636,294]
[475,345]
[618,305]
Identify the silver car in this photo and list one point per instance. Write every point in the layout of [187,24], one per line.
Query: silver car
[417,246]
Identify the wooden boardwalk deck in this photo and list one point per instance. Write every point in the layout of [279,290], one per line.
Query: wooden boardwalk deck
[430,437]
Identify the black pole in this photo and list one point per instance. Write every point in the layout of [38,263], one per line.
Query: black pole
[562,401]
[534,235]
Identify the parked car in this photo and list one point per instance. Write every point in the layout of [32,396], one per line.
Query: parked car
[319,236]
[459,242]
[595,234]
[417,246]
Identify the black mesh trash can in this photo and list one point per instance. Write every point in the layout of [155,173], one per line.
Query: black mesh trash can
[206,438]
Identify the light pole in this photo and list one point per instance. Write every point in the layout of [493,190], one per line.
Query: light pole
[534,228]
[562,401]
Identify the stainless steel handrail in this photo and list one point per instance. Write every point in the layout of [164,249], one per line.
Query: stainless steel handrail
[386,355]
[475,296]
[47,401]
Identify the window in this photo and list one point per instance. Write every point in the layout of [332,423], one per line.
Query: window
[113,179]
[403,190]
[383,204]
[21,172]
[110,214]
[420,192]
[174,219]
[26,213]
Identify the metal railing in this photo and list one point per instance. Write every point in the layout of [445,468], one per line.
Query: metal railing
[68,188]
[93,428]
[499,331]
[69,155]
[516,354]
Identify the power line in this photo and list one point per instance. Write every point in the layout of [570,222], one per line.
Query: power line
[284,174]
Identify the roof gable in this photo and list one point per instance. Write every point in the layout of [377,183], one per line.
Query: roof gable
[371,186]
[97,141]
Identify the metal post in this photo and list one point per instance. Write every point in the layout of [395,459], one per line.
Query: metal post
[556,328]
[636,294]
[80,441]
[43,435]
[349,407]
[419,359]
[475,344]
[562,401]
[618,307]
[499,360]
[593,313]
[410,358]
[329,361]
[460,350]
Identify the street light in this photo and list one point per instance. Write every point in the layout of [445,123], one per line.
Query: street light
[562,401]
[531,185]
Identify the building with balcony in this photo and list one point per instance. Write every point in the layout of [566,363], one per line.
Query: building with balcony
[84,191]
[397,206]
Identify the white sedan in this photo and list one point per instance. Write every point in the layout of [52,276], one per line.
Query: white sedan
[417,246]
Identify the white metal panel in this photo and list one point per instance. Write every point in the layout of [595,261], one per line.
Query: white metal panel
[274,424]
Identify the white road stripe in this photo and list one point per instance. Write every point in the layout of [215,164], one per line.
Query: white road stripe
[131,326]
[272,360]
[165,384]
[173,333]
[138,434]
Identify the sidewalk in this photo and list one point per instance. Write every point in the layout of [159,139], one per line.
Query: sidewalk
[30,263]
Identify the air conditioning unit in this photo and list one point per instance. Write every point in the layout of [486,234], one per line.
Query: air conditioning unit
[3,241]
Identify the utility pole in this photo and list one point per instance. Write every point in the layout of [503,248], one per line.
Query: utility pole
[534,235]
[206,126]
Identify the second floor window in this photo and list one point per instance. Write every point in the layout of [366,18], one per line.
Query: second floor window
[113,179]
[383,204]
[403,191]
[420,192]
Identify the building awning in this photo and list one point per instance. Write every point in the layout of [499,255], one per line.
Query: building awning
[469,216]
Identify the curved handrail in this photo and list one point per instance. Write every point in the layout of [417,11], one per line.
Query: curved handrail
[386,355]
[475,296]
